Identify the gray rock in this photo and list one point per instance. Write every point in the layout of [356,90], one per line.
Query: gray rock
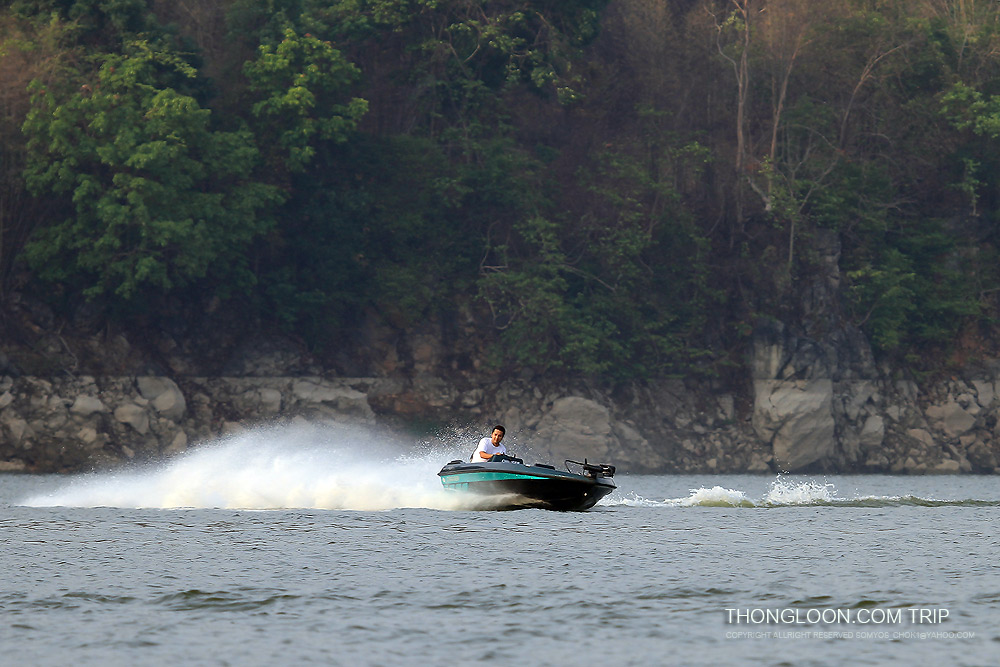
[858,394]
[576,427]
[984,392]
[758,463]
[981,458]
[436,392]
[87,405]
[922,436]
[472,398]
[165,396]
[151,386]
[171,405]
[266,357]
[947,467]
[907,389]
[968,403]
[952,417]
[331,399]
[270,401]
[727,407]
[796,418]
[177,445]
[873,432]
[87,435]
[134,416]
[17,429]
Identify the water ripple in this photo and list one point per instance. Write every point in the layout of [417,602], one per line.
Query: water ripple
[218,600]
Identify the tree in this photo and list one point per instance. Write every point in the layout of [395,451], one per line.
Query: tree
[26,53]
[614,285]
[99,24]
[300,85]
[159,199]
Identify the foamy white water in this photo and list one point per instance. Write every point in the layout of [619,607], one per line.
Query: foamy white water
[781,493]
[716,496]
[802,493]
[338,467]
[274,468]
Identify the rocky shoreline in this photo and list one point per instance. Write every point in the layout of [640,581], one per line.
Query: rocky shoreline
[797,421]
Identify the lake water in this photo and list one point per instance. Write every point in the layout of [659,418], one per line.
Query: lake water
[287,547]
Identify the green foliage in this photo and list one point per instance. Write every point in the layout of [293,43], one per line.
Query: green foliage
[401,157]
[159,198]
[99,23]
[619,291]
[967,108]
[977,170]
[541,328]
[458,55]
[884,297]
[300,84]
[912,292]
[387,226]
[27,51]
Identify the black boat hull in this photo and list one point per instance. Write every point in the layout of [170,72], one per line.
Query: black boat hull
[514,486]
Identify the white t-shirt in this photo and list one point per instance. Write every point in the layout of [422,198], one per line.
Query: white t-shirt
[486,445]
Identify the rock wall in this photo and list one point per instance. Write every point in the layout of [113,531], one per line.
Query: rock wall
[822,403]
[816,412]
[69,424]
[798,420]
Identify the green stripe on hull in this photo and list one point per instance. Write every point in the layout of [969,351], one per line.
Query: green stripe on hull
[465,478]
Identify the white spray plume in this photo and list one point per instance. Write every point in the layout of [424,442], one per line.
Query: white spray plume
[328,467]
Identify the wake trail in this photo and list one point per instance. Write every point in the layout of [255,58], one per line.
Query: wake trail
[276,468]
[783,493]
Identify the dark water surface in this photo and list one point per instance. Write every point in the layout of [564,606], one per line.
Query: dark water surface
[378,570]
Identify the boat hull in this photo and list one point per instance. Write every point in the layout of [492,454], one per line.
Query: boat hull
[513,486]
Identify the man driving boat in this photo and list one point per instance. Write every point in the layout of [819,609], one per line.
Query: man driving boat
[490,446]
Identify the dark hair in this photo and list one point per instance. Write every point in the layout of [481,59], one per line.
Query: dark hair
[500,428]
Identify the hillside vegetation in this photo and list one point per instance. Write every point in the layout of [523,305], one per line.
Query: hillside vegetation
[612,189]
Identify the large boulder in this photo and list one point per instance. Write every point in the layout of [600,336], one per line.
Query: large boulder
[951,418]
[133,415]
[575,428]
[85,405]
[796,417]
[325,399]
[164,395]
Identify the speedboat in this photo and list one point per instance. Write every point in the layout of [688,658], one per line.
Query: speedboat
[504,482]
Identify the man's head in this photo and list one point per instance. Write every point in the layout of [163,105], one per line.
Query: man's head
[498,433]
